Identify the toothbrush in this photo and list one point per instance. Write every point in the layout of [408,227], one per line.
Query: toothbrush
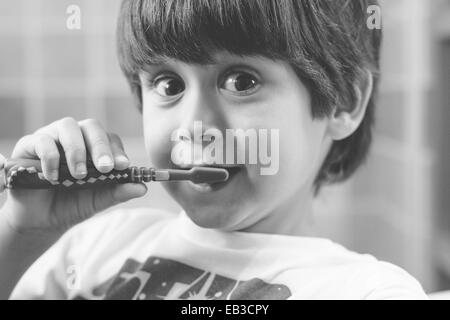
[27,174]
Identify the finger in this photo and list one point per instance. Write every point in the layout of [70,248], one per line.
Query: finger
[108,197]
[98,146]
[72,141]
[24,148]
[121,161]
[44,148]
[50,129]
[47,151]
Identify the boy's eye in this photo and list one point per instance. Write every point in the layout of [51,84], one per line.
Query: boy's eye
[240,82]
[168,87]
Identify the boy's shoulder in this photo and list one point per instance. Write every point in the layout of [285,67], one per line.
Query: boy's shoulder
[339,271]
[373,278]
[388,281]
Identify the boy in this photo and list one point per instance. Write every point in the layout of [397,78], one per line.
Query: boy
[308,69]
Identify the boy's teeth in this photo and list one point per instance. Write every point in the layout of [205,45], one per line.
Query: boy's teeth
[201,186]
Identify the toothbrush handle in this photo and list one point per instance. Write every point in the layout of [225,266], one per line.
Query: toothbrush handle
[27,174]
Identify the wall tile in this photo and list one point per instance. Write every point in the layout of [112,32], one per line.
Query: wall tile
[393,53]
[390,115]
[111,61]
[10,8]
[12,114]
[12,58]
[122,116]
[64,56]
[381,177]
[60,107]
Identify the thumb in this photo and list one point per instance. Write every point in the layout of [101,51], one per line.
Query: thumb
[128,191]
[119,193]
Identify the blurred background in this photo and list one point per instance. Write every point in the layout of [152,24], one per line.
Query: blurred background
[396,207]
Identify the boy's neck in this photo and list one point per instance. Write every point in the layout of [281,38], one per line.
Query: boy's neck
[294,218]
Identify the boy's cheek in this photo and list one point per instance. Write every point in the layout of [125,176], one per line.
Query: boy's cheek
[158,146]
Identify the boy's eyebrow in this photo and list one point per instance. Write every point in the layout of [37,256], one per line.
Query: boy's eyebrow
[165,61]
[153,64]
[149,68]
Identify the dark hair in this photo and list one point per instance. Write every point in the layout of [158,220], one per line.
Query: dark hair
[327,43]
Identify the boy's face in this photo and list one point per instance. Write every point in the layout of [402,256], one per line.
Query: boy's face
[259,95]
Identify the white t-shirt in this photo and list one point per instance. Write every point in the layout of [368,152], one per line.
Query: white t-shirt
[153,254]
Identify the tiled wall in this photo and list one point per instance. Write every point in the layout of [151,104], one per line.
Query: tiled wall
[48,72]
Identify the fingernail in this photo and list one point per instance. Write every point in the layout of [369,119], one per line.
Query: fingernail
[105,161]
[122,159]
[81,168]
[54,175]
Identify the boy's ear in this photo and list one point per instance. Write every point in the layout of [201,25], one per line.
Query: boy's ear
[342,123]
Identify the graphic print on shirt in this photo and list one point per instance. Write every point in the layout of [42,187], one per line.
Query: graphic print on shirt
[164,279]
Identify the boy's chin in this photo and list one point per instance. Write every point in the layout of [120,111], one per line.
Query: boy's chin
[211,217]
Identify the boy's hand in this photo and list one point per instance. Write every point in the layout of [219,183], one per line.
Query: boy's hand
[58,210]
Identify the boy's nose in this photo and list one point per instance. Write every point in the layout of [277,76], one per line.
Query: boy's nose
[204,109]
